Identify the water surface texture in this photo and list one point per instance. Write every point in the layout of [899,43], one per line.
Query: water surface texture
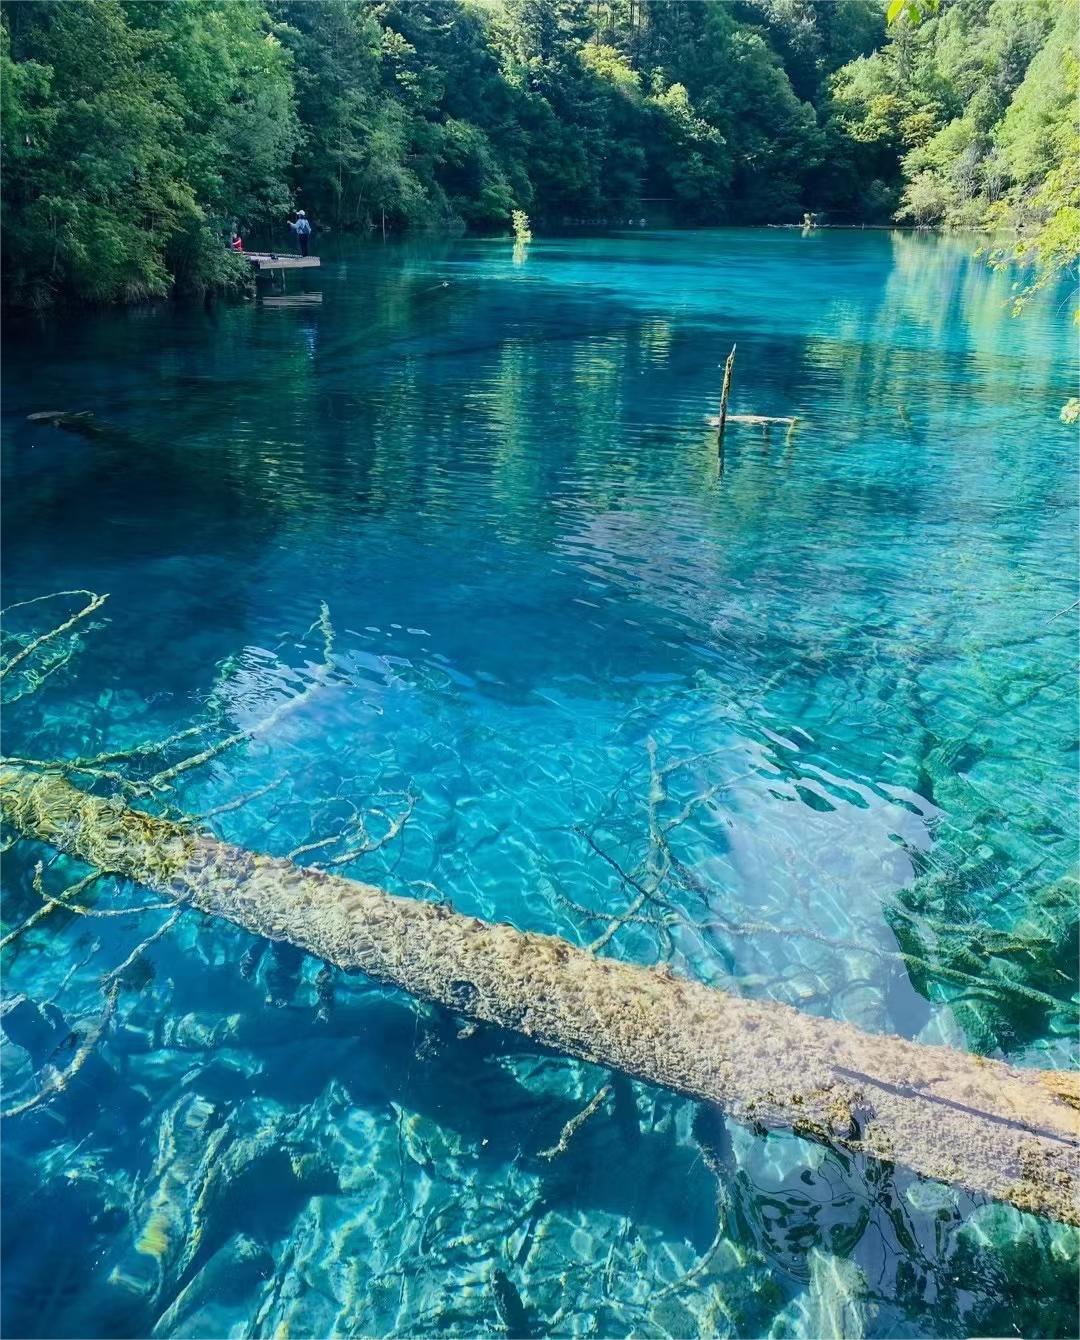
[458,505]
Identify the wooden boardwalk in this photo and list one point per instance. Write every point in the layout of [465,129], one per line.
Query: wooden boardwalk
[279,260]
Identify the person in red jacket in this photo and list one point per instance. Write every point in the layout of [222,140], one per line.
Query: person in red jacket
[237,243]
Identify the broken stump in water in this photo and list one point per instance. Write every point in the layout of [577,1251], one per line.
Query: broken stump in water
[721,420]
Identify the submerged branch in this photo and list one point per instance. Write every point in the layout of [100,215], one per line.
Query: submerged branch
[51,903]
[394,825]
[58,1080]
[117,973]
[96,602]
[163,780]
[575,1123]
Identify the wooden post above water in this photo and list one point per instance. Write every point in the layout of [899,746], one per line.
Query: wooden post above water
[725,391]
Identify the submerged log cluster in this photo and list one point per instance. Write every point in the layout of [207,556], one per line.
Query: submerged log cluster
[1007,1133]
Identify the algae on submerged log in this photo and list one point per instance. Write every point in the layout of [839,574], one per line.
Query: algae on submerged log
[992,1129]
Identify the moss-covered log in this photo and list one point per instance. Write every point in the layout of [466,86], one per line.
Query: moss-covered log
[1011,1134]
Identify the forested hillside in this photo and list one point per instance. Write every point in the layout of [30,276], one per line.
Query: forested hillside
[136,134]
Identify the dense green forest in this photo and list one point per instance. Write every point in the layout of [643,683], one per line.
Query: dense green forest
[137,134]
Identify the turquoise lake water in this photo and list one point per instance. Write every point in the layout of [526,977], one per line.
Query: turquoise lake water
[848,653]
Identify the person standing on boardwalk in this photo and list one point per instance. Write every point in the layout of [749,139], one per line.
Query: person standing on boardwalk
[301,226]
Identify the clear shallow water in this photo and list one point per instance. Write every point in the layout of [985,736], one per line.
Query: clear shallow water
[842,653]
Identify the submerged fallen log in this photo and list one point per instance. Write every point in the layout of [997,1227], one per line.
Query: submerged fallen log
[760,420]
[81,421]
[1011,1134]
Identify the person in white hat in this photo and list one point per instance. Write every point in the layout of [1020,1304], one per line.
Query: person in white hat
[301,226]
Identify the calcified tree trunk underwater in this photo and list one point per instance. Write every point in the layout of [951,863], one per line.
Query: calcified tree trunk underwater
[1007,1133]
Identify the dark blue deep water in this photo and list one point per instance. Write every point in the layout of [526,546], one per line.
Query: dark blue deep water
[848,653]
